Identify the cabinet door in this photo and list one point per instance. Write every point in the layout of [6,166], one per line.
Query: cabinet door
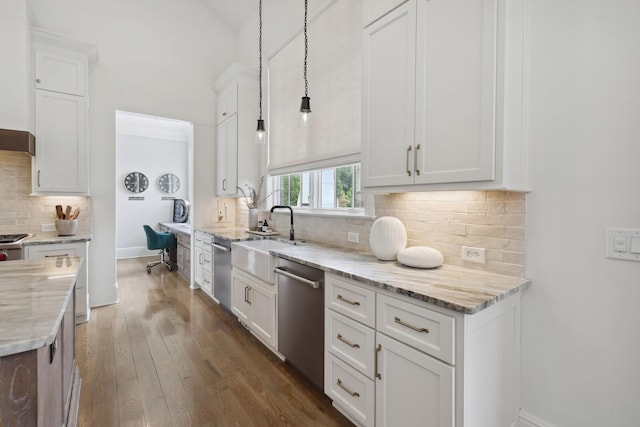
[456,90]
[413,388]
[199,261]
[240,288]
[227,157]
[388,103]
[50,400]
[61,152]
[68,352]
[227,104]
[263,313]
[60,70]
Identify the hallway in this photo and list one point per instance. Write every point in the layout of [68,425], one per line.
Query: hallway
[167,355]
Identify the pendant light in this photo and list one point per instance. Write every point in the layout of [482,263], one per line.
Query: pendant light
[260,131]
[305,105]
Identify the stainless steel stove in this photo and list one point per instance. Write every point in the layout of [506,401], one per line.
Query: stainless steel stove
[11,246]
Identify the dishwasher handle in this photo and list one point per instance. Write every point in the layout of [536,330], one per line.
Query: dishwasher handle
[220,247]
[313,283]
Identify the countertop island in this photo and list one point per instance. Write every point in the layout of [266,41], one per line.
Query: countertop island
[33,297]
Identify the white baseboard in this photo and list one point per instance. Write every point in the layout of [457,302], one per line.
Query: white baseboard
[135,252]
[528,420]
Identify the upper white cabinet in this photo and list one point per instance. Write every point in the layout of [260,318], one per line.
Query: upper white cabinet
[443,95]
[60,83]
[237,113]
[60,70]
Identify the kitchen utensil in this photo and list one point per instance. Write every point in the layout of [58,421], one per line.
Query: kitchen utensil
[59,213]
[67,212]
[75,214]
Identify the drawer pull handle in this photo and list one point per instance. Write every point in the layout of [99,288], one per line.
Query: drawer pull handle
[378,349]
[341,298]
[55,256]
[408,170]
[347,342]
[352,393]
[407,325]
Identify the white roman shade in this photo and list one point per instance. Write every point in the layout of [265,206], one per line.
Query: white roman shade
[334,71]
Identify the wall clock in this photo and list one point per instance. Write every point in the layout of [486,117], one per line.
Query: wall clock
[168,183]
[136,182]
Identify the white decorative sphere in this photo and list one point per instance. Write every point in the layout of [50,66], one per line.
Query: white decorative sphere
[420,257]
[387,237]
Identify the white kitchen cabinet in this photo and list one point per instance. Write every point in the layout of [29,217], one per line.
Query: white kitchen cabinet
[61,99]
[427,365]
[236,153]
[443,96]
[60,250]
[412,388]
[203,262]
[61,144]
[254,302]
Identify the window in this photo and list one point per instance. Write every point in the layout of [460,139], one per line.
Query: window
[335,190]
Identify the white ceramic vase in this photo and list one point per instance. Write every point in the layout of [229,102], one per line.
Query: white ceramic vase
[253,219]
[387,237]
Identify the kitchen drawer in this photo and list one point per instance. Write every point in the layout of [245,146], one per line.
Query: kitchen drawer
[351,300]
[351,391]
[184,239]
[351,341]
[203,239]
[417,326]
[54,250]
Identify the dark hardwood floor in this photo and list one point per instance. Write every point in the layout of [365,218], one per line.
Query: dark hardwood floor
[166,355]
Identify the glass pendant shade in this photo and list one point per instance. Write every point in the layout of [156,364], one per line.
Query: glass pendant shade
[260,132]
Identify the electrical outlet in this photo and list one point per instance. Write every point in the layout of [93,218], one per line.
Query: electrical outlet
[353,237]
[48,227]
[472,254]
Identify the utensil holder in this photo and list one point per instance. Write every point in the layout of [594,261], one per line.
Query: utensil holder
[66,227]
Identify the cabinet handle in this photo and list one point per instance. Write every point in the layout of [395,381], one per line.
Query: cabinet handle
[245,293]
[407,325]
[408,170]
[52,350]
[224,114]
[415,161]
[378,349]
[352,393]
[38,177]
[249,296]
[347,342]
[224,184]
[38,81]
[55,256]
[201,259]
[341,298]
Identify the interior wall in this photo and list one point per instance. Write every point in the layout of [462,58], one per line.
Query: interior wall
[156,57]
[580,318]
[154,157]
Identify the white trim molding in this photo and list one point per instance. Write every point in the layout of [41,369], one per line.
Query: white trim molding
[529,420]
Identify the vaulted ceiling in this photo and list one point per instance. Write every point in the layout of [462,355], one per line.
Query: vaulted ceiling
[234,13]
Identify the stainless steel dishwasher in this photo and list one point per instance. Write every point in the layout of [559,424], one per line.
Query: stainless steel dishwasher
[301,318]
[222,271]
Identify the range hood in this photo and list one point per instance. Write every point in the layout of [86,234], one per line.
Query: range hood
[18,140]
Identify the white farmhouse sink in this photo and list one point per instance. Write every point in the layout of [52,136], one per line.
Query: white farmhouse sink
[253,257]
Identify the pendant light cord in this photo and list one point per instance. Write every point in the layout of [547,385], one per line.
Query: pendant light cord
[260,54]
[306,50]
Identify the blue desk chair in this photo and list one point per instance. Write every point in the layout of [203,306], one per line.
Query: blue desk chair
[162,241]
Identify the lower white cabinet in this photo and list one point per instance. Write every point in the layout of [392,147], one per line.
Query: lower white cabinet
[412,388]
[392,360]
[203,260]
[254,302]
[79,249]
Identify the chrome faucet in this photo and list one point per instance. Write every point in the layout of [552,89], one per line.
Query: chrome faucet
[291,237]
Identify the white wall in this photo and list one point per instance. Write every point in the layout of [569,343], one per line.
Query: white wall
[581,344]
[157,57]
[153,157]
[580,318]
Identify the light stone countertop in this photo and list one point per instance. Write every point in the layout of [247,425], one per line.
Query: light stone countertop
[456,288]
[33,296]
[49,240]
[233,234]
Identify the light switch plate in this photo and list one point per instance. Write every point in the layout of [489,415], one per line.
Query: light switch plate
[622,244]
